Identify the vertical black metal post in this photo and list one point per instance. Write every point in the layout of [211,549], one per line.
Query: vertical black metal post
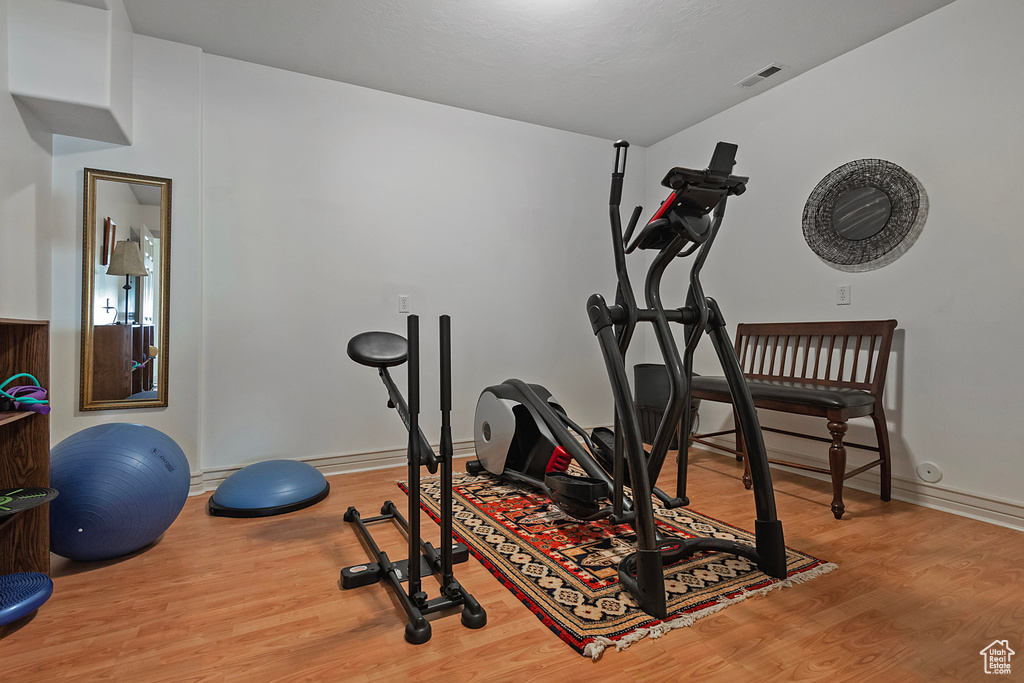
[648,588]
[618,468]
[448,577]
[768,534]
[413,332]
[677,371]
[764,495]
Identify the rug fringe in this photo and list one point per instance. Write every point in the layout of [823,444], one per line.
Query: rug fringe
[594,648]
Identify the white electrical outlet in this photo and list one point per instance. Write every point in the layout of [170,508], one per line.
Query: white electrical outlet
[842,295]
[403,304]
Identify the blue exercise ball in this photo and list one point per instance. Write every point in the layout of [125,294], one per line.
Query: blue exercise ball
[272,487]
[121,486]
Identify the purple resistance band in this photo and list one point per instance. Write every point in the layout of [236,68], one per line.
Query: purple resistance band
[37,393]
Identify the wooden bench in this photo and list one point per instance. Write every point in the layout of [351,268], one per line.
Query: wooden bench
[834,370]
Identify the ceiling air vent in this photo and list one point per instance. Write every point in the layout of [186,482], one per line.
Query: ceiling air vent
[764,73]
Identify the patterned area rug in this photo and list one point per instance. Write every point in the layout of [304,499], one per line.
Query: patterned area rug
[565,571]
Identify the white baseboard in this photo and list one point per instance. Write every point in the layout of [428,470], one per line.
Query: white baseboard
[329,465]
[998,511]
[210,479]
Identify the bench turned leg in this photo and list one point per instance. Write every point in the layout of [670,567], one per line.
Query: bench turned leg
[740,444]
[837,464]
[748,481]
[741,452]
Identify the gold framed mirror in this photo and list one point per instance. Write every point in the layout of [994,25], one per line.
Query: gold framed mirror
[126,284]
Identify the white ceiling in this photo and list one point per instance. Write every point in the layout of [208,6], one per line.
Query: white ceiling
[635,69]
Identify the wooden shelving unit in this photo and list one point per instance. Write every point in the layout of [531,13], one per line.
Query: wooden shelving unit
[25,448]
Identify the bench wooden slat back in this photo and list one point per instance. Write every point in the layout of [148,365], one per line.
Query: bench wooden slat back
[853,354]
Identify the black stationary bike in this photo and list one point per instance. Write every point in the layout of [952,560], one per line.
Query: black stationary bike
[522,433]
[382,350]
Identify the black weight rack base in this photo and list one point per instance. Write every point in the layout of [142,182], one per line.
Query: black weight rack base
[394,574]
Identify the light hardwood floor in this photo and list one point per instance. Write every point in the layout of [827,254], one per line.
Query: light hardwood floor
[917,595]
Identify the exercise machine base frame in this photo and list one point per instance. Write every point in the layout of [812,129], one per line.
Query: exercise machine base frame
[394,574]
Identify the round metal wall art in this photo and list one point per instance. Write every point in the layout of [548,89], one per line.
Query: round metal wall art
[864,215]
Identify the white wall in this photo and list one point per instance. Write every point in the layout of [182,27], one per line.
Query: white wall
[166,143]
[941,97]
[302,208]
[71,65]
[324,201]
[24,204]
[321,202]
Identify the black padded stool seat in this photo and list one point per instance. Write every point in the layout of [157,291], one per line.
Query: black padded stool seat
[378,349]
[806,394]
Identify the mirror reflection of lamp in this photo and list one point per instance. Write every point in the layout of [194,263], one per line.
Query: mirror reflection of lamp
[127,261]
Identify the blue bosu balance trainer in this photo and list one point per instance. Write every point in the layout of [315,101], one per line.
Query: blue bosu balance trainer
[21,594]
[269,488]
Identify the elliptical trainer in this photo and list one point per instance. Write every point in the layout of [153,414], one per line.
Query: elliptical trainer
[522,433]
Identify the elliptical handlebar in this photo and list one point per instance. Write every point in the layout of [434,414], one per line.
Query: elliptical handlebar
[695,195]
[625,300]
[619,172]
[633,220]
